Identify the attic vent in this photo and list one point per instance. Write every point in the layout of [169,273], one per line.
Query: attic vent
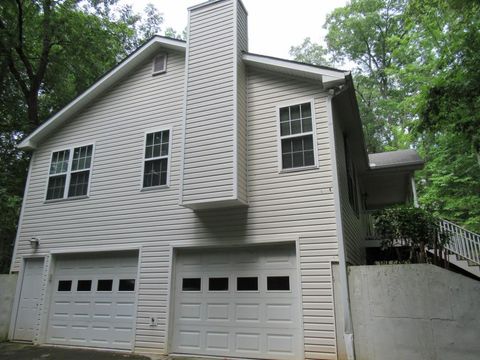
[160,64]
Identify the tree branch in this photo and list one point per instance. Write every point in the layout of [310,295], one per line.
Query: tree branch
[19,47]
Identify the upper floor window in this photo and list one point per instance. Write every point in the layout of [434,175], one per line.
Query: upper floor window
[351,177]
[69,174]
[156,161]
[296,136]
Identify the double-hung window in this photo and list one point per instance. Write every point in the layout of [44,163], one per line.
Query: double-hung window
[351,177]
[156,161]
[297,136]
[69,174]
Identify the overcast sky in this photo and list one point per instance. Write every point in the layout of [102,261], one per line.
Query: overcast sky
[274,25]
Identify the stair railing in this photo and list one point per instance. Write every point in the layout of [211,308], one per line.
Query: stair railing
[463,243]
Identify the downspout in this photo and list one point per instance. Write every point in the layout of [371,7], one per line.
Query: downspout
[414,191]
[345,296]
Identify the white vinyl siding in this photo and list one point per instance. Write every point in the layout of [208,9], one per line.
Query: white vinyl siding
[282,207]
[354,229]
[214,168]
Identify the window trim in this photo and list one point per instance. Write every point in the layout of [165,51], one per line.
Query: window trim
[68,174]
[168,157]
[283,104]
[164,64]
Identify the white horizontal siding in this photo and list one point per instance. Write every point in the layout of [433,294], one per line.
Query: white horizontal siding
[296,191]
[117,213]
[352,224]
[208,172]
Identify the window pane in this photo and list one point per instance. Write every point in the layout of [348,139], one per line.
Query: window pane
[306,110]
[297,144]
[191,284]
[298,159]
[296,126]
[309,158]
[59,162]
[84,285]
[157,144]
[218,284]
[286,146]
[295,112]
[287,161]
[285,128]
[278,283]
[126,285]
[78,184]
[149,139]
[155,173]
[284,116]
[82,157]
[65,285]
[247,284]
[56,187]
[308,143]
[104,285]
[307,125]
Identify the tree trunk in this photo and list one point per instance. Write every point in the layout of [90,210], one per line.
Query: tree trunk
[32,110]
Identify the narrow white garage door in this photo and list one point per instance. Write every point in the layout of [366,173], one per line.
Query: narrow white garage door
[239,302]
[93,300]
[27,313]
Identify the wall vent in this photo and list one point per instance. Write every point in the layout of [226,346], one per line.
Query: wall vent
[159,64]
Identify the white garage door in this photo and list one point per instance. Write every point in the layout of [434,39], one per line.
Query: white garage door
[240,302]
[93,301]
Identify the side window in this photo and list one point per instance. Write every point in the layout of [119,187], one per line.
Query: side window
[156,159]
[296,136]
[351,177]
[69,173]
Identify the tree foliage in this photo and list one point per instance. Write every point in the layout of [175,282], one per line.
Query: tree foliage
[310,53]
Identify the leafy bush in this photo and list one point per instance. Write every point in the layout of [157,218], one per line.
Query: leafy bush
[410,228]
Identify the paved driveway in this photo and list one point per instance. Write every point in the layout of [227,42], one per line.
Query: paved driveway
[17,351]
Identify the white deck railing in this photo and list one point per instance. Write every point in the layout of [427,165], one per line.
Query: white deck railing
[462,242]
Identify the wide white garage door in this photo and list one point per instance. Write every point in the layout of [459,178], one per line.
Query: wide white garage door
[239,302]
[93,300]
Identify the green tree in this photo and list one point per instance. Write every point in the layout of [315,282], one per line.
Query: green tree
[310,53]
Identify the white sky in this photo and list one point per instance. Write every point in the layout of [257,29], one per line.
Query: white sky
[274,25]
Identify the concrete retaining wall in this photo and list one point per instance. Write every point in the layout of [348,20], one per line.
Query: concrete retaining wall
[412,312]
[8,284]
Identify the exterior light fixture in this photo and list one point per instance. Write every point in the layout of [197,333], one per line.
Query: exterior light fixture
[34,242]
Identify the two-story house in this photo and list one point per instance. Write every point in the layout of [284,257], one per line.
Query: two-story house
[194,199]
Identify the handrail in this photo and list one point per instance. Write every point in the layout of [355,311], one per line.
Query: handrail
[462,242]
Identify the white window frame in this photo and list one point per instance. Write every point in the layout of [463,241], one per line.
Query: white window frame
[289,103]
[70,148]
[168,157]
[164,64]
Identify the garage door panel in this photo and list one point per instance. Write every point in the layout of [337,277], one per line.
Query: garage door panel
[102,316]
[246,318]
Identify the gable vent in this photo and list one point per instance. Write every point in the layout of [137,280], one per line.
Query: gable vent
[160,64]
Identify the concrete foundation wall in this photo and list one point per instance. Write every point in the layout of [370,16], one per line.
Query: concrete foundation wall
[412,312]
[8,284]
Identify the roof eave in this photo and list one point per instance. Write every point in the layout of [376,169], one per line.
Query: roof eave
[328,77]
